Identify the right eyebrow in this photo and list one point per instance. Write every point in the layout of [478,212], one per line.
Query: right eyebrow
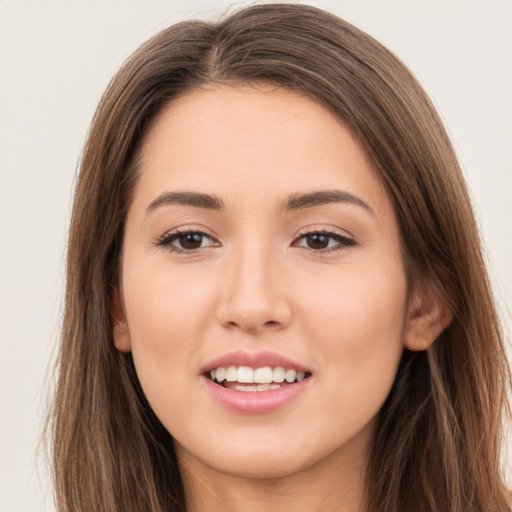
[196,199]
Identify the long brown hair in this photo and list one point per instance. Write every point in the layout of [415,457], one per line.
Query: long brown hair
[438,439]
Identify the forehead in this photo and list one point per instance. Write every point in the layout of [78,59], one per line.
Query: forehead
[248,142]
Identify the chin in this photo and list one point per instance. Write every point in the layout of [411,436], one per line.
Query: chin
[271,456]
[259,466]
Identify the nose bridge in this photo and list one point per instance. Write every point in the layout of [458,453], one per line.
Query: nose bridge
[254,294]
[253,280]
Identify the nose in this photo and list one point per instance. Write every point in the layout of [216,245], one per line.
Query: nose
[254,297]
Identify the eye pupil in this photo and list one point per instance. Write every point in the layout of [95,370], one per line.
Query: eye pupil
[191,240]
[317,241]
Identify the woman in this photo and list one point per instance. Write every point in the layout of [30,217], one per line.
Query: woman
[275,294]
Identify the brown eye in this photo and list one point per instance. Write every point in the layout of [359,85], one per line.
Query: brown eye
[185,241]
[190,241]
[324,241]
[317,241]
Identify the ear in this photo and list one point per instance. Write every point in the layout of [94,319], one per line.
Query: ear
[428,316]
[120,332]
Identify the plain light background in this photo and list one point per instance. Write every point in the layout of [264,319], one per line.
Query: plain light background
[56,58]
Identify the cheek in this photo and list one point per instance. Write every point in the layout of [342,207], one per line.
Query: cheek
[162,303]
[357,319]
[168,313]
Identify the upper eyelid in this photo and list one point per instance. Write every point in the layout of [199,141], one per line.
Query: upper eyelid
[330,234]
[169,237]
[186,230]
[325,231]
[341,244]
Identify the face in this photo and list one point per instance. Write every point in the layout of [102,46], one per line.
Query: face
[261,246]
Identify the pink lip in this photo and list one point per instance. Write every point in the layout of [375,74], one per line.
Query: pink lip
[254,360]
[254,402]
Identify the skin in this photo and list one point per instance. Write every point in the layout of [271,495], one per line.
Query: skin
[254,284]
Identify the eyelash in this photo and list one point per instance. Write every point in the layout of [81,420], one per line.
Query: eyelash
[343,241]
[167,240]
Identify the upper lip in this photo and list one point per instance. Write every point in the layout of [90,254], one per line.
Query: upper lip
[254,360]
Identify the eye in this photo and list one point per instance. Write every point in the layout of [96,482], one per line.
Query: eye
[186,241]
[324,241]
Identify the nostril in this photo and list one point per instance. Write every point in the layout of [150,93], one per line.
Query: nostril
[252,313]
[254,327]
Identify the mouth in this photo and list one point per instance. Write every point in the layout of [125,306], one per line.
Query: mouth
[247,379]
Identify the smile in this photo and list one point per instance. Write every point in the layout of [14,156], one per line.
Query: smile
[255,382]
[245,378]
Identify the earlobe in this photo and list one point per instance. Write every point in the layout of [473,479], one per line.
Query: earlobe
[121,333]
[428,317]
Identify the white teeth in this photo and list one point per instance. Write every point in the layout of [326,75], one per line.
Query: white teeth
[231,374]
[252,387]
[278,374]
[263,375]
[245,374]
[221,374]
[290,375]
[238,387]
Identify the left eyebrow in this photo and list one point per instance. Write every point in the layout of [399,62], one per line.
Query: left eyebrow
[321,197]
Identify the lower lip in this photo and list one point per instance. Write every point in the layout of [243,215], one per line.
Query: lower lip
[254,402]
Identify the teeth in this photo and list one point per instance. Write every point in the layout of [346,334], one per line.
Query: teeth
[245,374]
[278,374]
[290,375]
[231,374]
[263,375]
[239,387]
[266,377]
[221,374]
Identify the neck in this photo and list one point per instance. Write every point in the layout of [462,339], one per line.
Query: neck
[327,486]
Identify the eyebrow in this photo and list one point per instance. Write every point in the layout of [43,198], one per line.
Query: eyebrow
[321,197]
[196,199]
[293,202]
